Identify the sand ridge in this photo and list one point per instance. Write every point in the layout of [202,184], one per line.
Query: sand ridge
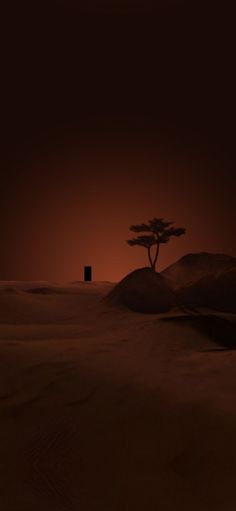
[104,408]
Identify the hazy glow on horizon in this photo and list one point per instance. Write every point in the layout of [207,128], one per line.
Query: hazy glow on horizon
[69,219]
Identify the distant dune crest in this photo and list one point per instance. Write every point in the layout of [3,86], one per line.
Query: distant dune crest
[196,280]
[199,280]
[191,267]
[204,280]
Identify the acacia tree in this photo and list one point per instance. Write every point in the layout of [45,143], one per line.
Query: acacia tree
[160,232]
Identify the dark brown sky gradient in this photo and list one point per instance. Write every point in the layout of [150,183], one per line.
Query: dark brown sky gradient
[109,119]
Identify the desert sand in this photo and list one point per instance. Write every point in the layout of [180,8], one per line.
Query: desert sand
[103,408]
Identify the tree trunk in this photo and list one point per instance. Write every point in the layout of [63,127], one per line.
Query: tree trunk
[149,257]
[156,256]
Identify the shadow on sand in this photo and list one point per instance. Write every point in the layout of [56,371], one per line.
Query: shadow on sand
[220,330]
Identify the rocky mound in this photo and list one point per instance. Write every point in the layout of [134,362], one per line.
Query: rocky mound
[143,290]
[193,267]
[216,291]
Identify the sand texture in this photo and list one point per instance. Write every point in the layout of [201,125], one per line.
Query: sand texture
[106,409]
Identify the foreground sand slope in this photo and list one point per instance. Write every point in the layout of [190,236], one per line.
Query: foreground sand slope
[105,409]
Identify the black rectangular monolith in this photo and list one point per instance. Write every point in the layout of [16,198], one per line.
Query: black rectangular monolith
[87,273]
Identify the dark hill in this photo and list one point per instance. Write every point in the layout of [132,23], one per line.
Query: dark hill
[216,291]
[143,290]
[191,268]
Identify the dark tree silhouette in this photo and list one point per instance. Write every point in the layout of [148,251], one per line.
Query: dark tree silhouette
[160,232]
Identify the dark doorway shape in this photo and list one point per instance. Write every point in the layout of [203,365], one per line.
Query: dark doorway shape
[87,273]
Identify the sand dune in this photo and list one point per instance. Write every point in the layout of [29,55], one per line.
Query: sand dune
[214,291]
[143,290]
[193,267]
[221,330]
[196,280]
[102,408]
[204,280]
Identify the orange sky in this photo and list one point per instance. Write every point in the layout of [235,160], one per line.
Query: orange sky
[108,121]
[75,210]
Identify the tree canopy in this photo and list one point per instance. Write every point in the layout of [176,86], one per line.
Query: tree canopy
[160,232]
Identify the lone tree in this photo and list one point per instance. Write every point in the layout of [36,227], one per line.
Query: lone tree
[160,232]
